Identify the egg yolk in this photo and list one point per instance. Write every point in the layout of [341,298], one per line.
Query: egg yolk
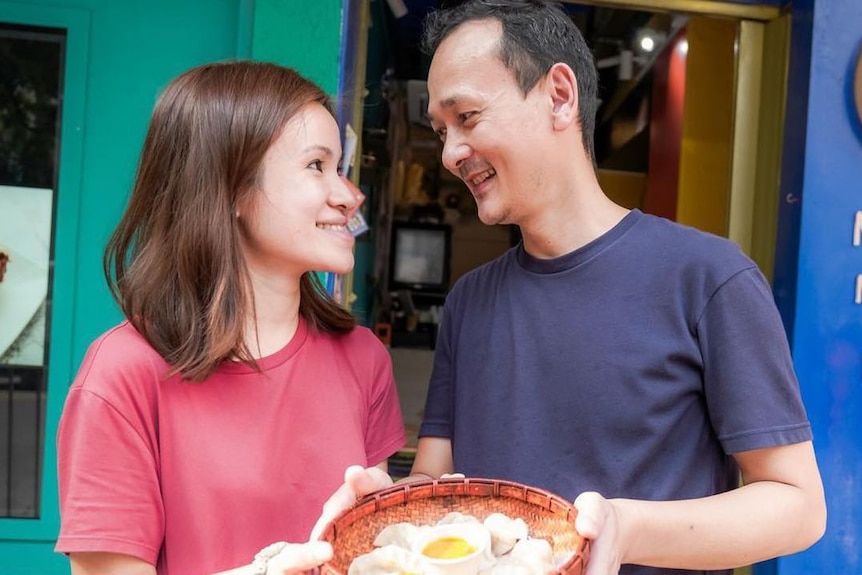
[448,548]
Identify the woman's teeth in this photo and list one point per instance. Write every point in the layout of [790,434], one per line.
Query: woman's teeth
[332,227]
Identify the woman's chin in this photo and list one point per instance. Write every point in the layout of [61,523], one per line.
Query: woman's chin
[342,268]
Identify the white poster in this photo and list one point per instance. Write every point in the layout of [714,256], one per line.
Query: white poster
[25,237]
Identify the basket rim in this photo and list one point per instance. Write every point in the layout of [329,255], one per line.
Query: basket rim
[402,493]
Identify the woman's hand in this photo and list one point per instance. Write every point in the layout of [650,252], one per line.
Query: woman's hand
[299,557]
[358,481]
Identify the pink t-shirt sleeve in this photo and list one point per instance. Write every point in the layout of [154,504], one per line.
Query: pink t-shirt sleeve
[385,430]
[108,474]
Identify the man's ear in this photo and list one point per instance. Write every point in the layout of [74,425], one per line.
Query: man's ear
[563,91]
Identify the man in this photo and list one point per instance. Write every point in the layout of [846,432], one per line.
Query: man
[611,352]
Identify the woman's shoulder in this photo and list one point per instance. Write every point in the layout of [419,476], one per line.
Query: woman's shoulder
[359,345]
[119,357]
[361,339]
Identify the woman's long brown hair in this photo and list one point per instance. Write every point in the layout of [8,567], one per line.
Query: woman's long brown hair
[174,263]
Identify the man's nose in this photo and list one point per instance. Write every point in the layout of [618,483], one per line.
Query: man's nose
[455,151]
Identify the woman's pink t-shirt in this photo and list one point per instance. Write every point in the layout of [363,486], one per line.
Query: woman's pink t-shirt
[197,477]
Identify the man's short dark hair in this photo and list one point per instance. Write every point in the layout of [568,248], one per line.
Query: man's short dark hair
[536,35]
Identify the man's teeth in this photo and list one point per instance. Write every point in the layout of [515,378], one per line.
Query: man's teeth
[482,177]
[332,227]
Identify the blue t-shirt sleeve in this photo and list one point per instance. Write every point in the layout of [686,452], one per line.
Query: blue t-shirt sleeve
[752,394]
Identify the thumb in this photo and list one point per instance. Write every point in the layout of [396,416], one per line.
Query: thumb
[358,481]
[363,481]
[338,502]
[295,558]
[591,514]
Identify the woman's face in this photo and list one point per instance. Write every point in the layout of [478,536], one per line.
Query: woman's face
[298,215]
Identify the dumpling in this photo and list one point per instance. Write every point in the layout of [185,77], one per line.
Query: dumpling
[457,517]
[505,532]
[507,567]
[535,554]
[400,534]
[388,560]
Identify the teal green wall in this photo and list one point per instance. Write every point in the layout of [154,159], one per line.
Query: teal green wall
[303,35]
[121,54]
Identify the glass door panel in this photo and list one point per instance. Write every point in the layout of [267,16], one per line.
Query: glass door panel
[31,88]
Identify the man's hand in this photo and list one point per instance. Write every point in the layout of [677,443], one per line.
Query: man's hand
[358,481]
[597,521]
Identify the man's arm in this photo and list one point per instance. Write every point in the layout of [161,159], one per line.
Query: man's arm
[780,509]
[433,459]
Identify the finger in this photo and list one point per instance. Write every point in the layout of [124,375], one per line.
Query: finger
[295,558]
[591,514]
[358,481]
[343,498]
[364,481]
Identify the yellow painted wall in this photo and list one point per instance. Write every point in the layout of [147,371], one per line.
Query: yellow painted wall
[707,131]
[624,188]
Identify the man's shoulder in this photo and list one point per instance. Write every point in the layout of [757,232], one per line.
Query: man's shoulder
[686,245]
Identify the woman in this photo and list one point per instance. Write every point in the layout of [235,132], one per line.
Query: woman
[221,415]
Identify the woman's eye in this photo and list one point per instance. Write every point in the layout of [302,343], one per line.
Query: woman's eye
[316,165]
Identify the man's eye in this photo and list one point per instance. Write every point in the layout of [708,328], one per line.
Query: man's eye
[441,133]
[464,116]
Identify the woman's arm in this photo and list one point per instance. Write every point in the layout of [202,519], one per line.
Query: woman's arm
[99,563]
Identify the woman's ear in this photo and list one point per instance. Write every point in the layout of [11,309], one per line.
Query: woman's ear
[563,91]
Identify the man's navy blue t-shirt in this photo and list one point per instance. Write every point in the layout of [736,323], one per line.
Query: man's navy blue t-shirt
[634,366]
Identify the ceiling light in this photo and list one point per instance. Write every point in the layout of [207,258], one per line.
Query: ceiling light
[647,44]
[648,40]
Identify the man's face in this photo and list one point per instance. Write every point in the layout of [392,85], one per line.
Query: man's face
[493,137]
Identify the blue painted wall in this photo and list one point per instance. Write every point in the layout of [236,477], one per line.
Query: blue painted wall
[827,323]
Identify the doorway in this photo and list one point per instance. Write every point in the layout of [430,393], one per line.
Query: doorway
[689,128]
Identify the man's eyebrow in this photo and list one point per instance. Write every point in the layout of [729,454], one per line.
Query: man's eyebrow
[450,102]
[445,104]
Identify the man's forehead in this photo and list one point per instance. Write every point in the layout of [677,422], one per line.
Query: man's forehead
[458,60]
[473,39]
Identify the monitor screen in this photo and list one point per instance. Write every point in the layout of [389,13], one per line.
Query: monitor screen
[420,256]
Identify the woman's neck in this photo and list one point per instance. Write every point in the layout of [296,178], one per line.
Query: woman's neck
[276,314]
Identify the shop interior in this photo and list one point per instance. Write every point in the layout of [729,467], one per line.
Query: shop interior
[667,131]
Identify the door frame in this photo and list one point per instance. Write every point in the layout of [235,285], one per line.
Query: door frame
[76,23]
[761,75]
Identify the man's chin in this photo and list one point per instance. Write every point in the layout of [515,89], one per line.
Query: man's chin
[490,218]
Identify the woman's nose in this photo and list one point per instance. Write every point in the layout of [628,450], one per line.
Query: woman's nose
[348,196]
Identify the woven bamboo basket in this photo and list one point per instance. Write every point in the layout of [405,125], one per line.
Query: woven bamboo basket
[548,516]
